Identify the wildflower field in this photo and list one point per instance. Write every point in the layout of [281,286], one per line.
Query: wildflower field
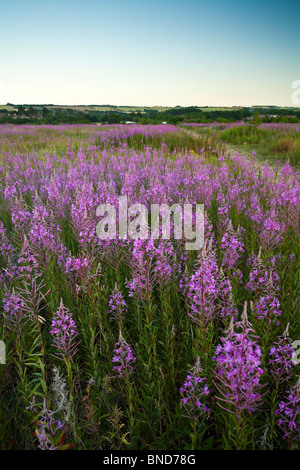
[140,343]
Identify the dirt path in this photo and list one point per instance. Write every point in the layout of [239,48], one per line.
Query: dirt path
[260,162]
[275,165]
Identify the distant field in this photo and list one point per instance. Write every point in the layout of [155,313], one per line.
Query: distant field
[120,109]
[220,109]
[7,107]
[129,109]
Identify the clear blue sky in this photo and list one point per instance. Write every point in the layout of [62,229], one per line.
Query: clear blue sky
[158,52]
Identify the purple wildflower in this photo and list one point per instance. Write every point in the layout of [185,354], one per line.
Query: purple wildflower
[239,367]
[262,279]
[232,246]
[64,333]
[203,287]
[143,264]
[117,304]
[289,412]
[16,311]
[49,430]
[271,232]
[281,357]
[193,392]
[265,285]
[123,357]
[225,303]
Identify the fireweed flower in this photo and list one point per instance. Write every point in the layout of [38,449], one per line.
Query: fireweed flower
[238,361]
[271,232]
[165,266]
[8,254]
[232,246]
[281,357]
[143,264]
[117,304]
[15,310]
[44,232]
[262,279]
[225,304]
[74,265]
[194,391]
[64,333]
[184,276]
[268,306]
[264,283]
[49,428]
[223,209]
[27,262]
[83,214]
[203,286]
[288,412]
[123,357]
[21,216]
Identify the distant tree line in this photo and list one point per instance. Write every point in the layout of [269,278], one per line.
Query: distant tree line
[31,114]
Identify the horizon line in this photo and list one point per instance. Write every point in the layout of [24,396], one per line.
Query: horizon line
[153,106]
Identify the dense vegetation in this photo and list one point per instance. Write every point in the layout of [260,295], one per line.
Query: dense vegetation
[50,114]
[141,344]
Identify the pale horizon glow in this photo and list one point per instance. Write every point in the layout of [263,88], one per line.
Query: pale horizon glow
[159,53]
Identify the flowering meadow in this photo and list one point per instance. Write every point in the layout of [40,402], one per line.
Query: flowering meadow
[141,344]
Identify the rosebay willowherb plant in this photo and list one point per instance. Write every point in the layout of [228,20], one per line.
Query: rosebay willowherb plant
[174,308]
[288,412]
[64,332]
[194,392]
[123,358]
[117,306]
[239,372]
[281,358]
